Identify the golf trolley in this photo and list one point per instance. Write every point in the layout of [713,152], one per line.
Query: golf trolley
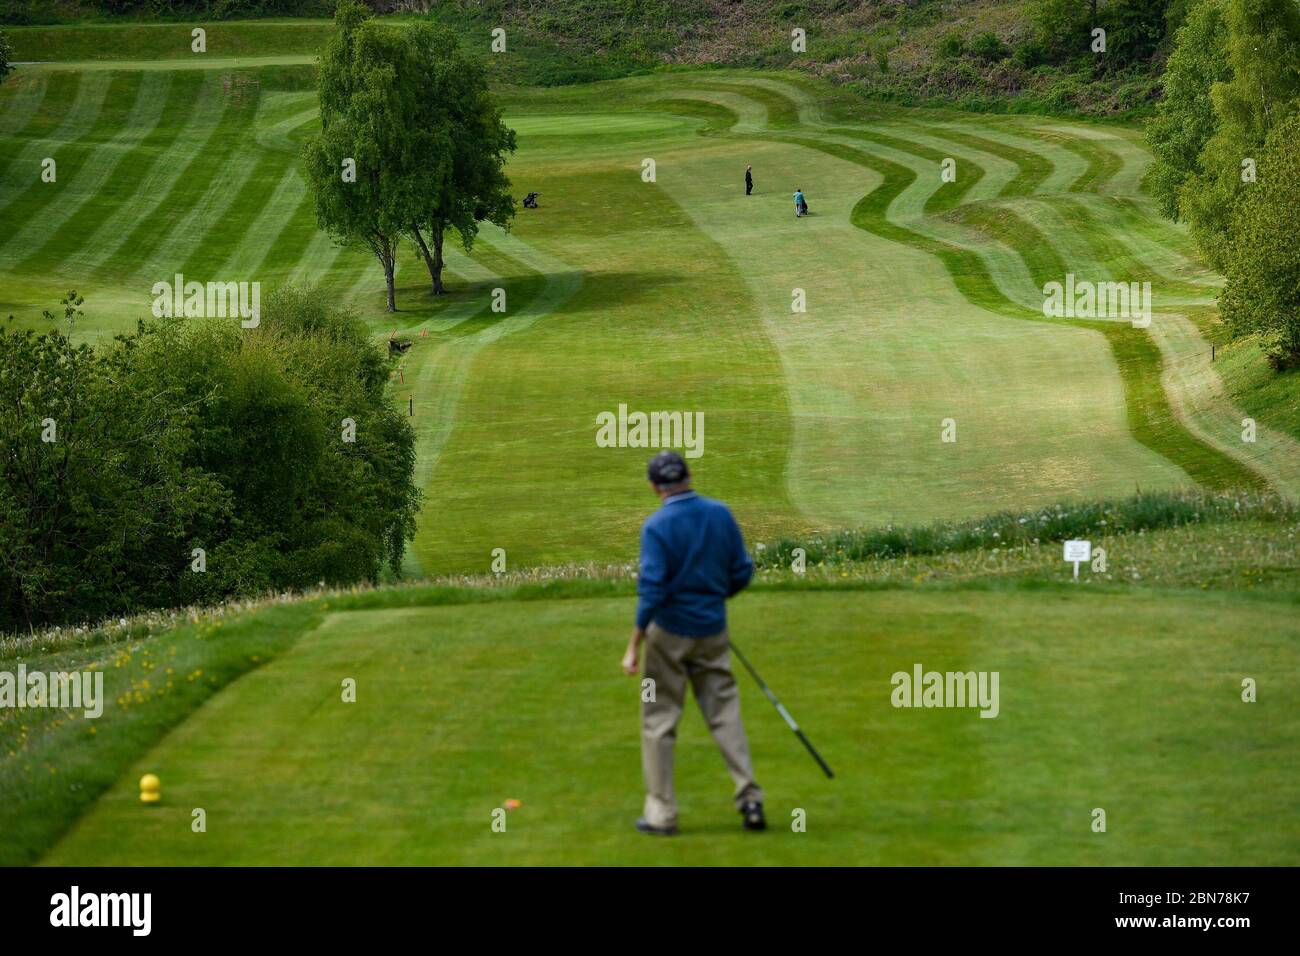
[530,201]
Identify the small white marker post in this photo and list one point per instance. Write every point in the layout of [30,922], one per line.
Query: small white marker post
[1076,552]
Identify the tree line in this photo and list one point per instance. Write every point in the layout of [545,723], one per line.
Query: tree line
[412,143]
[1226,140]
[193,459]
[1136,31]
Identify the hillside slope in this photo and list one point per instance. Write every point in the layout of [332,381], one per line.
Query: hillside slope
[911,51]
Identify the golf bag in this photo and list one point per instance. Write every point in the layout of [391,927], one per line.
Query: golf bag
[530,201]
[803,208]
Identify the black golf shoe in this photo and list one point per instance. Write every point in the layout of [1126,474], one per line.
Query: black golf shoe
[645,826]
[752,814]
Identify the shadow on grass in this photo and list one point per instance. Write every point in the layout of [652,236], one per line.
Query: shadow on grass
[608,289]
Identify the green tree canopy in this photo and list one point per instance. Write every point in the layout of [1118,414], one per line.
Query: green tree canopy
[1262,294]
[1263,84]
[1226,160]
[415,114]
[1135,29]
[1185,119]
[465,181]
[6,55]
[117,462]
[364,166]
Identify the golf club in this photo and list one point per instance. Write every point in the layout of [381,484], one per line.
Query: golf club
[780,709]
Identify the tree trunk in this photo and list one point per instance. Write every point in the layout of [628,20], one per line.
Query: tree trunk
[437,260]
[433,262]
[388,259]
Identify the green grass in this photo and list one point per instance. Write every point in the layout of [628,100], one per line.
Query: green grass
[470,685]
[168,41]
[1271,397]
[671,295]
[461,706]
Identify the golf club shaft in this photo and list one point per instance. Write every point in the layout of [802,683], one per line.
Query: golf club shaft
[785,714]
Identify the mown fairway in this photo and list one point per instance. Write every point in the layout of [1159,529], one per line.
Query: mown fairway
[1103,700]
[923,298]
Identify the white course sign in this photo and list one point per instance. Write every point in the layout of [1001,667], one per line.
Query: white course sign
[1076,552]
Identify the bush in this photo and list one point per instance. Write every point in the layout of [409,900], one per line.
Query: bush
[97,505]
[1281,351]
[1030,54]
[952,46]
[988,47]
[1065,94]
[1135,29]
[1134,94]
[117,463]
[1061,27]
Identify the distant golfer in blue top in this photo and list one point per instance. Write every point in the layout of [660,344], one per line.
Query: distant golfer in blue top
[692,559]
[800,206]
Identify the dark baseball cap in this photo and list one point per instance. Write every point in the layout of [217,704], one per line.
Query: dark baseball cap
[667,468]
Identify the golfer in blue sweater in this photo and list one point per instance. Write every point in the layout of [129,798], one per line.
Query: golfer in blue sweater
[692,559]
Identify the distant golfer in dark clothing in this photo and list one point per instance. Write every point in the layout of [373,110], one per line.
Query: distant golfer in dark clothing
[692,559]
[749,180]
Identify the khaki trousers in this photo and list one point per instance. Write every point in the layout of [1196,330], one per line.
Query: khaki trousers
[672,660]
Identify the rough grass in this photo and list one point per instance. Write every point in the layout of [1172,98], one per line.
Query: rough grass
[1273,398]
[1055,523]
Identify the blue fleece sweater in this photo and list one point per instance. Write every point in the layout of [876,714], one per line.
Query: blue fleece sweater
[692,559]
